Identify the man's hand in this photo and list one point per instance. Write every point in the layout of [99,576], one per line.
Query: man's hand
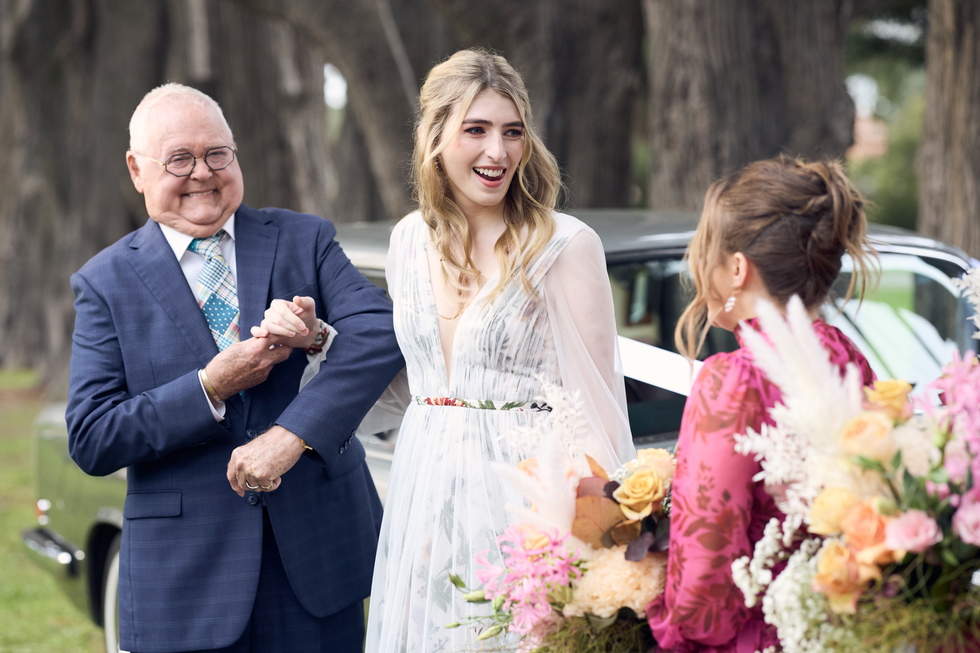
[262,462]
[244,365]
[290,323]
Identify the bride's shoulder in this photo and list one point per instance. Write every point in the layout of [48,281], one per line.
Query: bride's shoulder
[406,227]
[568,225]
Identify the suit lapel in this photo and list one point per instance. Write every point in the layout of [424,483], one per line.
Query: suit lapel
[155,263]
[255,253]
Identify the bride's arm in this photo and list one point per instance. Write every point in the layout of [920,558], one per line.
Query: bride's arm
[580,307]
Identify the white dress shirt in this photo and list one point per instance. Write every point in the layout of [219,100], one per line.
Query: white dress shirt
[192,264]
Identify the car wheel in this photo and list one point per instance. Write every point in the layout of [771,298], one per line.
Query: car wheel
[110,597]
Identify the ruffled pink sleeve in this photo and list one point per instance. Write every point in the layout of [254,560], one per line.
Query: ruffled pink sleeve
[718,511]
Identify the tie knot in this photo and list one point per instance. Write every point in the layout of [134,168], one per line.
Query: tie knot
[207,247]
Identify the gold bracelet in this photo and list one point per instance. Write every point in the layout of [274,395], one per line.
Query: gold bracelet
[305,446]
[208,388]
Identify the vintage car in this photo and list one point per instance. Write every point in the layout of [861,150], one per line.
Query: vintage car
[908,327]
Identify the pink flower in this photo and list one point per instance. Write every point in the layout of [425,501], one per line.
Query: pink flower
[938,490]
[966,521]
[914,531]
[529,575]
[956,460]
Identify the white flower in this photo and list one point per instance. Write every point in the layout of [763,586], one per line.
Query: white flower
[915,441]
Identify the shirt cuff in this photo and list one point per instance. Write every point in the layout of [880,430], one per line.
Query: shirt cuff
[219,412]
[314,360]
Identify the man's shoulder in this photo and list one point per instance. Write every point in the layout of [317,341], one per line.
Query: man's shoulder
[283,217]
[116,252]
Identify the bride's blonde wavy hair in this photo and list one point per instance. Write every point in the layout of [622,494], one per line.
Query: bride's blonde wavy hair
[534,189]
[794,220]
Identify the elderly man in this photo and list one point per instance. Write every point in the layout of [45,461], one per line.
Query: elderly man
[162,384]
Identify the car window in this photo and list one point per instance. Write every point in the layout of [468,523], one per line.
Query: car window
[912,323]
[648,298]
[908,326]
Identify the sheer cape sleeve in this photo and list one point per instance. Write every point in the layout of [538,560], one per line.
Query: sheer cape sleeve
[580,309]
[717,512]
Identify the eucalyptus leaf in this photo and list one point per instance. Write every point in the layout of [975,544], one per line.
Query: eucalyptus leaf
[897,460]
[938,475]
[867,463]
[638,548]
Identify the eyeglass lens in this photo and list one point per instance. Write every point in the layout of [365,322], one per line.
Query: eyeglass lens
[216,159]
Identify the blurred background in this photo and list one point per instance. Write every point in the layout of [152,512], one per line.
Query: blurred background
[644,102]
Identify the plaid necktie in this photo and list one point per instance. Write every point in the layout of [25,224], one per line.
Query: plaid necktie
[216,294]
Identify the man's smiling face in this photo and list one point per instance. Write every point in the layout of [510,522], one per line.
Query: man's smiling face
[199,204]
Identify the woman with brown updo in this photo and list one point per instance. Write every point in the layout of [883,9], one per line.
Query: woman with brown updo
[777,228]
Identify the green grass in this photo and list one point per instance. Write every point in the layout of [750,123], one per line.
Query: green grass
[35,616]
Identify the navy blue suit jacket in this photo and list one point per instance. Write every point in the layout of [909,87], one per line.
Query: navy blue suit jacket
[191,547]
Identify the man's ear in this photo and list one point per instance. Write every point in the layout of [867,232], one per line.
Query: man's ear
[740,270]
[134,171]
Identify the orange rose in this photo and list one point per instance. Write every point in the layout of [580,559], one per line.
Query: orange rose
[869,435]
[864,531]
[838,577]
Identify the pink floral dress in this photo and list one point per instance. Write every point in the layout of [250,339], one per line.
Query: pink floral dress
[718,512]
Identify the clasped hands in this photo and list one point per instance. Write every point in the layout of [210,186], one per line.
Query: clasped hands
[286,325]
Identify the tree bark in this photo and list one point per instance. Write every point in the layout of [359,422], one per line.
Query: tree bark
[948,163]
[71,74]
[354,37]
[582,63]
[732,82]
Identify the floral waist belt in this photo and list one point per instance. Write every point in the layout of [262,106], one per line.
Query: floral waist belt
[483,404]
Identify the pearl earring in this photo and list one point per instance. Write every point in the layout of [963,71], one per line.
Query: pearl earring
[730,304]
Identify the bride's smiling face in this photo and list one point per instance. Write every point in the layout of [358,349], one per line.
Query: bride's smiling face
[481,158]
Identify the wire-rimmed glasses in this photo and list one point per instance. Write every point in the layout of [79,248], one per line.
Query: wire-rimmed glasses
[182,164]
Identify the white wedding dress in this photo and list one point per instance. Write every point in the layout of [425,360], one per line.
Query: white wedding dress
[444,505]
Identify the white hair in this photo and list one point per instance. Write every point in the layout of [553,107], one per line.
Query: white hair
[167,92]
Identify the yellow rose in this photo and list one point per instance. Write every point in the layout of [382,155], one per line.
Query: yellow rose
[638,493]
[892,396]
[659,460]
[829,508]
[870,435]
[838,577]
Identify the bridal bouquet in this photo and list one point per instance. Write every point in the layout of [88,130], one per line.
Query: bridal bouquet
[879,548]
[588,556]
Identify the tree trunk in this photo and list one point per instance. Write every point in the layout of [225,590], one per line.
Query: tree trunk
[948,163]
[71,74]
[732,82]
[358,37]
[582,63]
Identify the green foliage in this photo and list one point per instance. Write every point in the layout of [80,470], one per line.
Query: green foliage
[625,634]
[35,616]
[890,181]
[892,625]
